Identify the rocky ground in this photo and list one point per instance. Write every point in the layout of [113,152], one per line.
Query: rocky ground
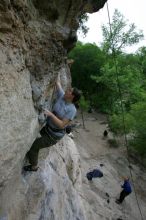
[100,193]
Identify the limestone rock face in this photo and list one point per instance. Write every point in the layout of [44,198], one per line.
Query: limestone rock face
[51,193]
[35,37]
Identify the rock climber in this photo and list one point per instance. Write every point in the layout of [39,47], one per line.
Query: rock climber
[63,113]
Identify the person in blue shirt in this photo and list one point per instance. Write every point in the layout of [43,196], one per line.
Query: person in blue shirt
[63,113]
[126,190]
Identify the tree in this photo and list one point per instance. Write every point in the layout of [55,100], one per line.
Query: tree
[88,59]
[83,18]
[115,81]
[117,76]
[84,106]
[119,34]
[138,112]
[141,53]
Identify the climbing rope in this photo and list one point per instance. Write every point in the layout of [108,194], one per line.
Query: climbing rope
[53,94]
[122,109]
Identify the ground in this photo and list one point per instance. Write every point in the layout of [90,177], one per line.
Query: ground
[96,152]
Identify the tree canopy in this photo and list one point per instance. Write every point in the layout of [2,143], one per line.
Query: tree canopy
[113,81]
[119,34]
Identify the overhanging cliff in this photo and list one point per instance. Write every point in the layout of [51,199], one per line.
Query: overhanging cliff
[35,37]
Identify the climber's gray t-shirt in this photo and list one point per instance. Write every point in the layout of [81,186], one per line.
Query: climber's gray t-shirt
[62,110]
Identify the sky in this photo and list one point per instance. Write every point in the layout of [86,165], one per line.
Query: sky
[133,10]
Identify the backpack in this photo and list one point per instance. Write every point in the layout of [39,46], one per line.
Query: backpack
[93,174]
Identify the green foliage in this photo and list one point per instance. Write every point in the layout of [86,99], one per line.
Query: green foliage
[141,54]
[120,123]
[84,104]
[113,81]
[133,123]
[138,113]
[139,144]
[121,76]
[127,79]
[83,18]
[101,101]
[119,35]
[88,59]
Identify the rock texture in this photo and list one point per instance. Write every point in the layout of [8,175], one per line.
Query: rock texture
[99,195]
[35,37]
[52,192]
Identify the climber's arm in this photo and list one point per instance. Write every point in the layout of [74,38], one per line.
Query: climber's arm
[59,123]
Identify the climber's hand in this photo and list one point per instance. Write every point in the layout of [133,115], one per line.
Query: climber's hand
[47,112]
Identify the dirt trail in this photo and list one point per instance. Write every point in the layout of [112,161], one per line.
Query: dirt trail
[92,145]
[94,150]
